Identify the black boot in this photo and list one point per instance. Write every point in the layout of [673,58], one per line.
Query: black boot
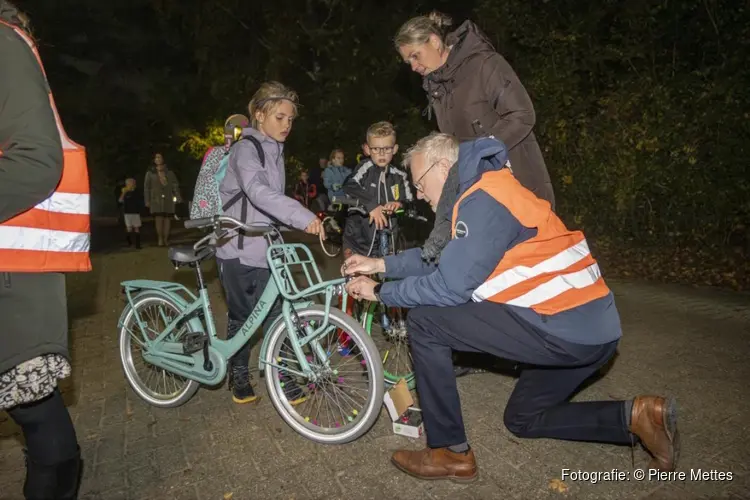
[240,385]
[239,372]
[138,241]
[127,238]
[59,481]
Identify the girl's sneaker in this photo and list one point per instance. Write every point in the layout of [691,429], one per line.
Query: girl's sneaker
[242,389]
[293,392]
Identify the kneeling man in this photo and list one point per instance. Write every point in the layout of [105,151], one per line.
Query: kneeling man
[516,283]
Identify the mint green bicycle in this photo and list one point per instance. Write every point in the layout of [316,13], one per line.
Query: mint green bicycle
[169,346]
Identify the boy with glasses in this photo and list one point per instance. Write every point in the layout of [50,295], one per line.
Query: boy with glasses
[379,186]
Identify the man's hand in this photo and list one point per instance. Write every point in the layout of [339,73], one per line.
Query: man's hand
[392,206]
[362,287]
[359,264]
[378,217]
[316,227]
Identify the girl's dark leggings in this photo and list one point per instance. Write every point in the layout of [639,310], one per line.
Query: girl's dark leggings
[52,452]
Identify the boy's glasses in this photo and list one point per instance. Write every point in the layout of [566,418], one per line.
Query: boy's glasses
[382,151]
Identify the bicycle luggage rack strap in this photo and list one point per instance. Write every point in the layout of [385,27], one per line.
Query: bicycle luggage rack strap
[166,286]
[170,288]
[296,272]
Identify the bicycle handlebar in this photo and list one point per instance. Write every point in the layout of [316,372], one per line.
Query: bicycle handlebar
[355,203]
[345,200]
[258,228]
[216,220]
[196,223]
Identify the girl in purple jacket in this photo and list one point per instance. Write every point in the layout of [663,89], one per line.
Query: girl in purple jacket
[243,269]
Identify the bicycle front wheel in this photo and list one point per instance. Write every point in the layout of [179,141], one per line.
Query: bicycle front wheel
[387,327]
[341,400]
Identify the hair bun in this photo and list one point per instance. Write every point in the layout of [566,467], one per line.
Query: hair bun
[441,20]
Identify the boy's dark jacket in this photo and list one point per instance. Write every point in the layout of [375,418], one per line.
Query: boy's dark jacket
[364,185]
[132,202]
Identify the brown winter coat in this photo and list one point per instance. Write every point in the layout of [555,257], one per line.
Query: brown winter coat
[160,197]
[476,93]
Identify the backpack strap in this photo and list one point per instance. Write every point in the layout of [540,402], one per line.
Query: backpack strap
[241,195]
[261,154]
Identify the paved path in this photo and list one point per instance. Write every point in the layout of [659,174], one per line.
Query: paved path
[687,342]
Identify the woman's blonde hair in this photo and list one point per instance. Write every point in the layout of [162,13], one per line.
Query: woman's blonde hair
[417,30]
[267,97]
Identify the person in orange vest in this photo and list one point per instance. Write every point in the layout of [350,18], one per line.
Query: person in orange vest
[44,232]
[515,283]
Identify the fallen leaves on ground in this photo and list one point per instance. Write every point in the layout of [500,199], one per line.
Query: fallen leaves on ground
[558,486]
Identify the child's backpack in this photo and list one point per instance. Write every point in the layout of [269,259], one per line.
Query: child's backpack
[206,199]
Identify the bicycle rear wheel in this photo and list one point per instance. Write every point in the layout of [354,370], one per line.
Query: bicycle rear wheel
[157,386]
[344,396]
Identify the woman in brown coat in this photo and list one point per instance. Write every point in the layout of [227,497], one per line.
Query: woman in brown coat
[160,192]
[474,92]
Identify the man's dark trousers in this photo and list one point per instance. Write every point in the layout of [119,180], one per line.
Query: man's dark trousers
[552,369]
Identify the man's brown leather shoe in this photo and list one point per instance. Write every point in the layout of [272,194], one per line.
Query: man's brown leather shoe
[654,421]
[437,463]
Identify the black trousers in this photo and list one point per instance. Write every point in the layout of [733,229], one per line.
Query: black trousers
[53,466]
[539,405]
[243,287]
[359,234]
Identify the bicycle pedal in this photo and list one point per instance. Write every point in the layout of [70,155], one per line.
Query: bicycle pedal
[193,342]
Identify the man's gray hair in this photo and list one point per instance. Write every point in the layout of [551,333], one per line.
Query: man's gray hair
[435,147]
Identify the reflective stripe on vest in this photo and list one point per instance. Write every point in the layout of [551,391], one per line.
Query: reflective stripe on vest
[551,272]
[53,236]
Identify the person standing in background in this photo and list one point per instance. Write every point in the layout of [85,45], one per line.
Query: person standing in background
[305,192]
[336,174]
[131,209]
[160,192]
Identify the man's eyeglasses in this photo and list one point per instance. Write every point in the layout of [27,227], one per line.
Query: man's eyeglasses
[418,183]
[382,151]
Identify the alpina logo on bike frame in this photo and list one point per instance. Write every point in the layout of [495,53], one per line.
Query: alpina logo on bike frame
[255,314]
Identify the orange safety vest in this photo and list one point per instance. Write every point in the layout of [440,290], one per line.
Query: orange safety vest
[549,273]
[53,236]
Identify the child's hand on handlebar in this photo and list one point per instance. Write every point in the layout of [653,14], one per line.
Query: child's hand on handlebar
[316,227]
[392,206]
[378,217]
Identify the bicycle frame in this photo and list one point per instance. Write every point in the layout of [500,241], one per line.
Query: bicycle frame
[170,355]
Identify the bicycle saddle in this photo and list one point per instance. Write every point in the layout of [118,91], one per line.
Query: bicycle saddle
[186,255]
